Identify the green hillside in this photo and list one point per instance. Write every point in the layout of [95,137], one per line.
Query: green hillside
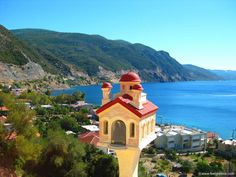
[12,50]
[88,52]
[92,58]
[225,74]
[17,52]
[198,73]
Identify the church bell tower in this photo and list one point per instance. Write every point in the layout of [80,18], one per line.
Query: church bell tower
[126,122]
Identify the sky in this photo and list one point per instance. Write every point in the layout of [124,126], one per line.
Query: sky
[199,32]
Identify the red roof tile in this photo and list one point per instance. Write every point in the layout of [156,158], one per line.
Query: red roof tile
[130,77]
[106,85]
[90,137]
[148,107]
[138,87]
[212,135]
[4,108]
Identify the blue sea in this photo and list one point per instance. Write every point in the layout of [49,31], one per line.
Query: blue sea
[207,105]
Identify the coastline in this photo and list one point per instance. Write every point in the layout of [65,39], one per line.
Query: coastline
[208,105]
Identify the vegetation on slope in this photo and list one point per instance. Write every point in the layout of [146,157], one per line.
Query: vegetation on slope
[41,147]
[198,73]
[91,58]
[225,74]
[11,49]
[16,51]
[88,52]
[190,163]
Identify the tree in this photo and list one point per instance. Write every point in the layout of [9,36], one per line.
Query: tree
[7,99]
[28,150]
[187,166]
[15,153]
[63,99]
[16,85]
[91,151]
[68,99]
[48,92]
[78,96]
[21,119]
[151,150]
[103,165]
[2,132]
[142,172]
[41,126]
[69,123]
[62,156]
[6,89]
[163,165]
[202,167]
[76,169]
[36,98]
[216,166]
[81,117]
[171,154]
[205,167]
[100,164]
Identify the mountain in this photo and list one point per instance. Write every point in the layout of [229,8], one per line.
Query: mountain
[225,74]
[198,73]
[20,61]
[17,59]
[28,54]
[95,55]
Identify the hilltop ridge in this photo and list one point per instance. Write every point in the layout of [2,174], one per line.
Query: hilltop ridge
[86,59]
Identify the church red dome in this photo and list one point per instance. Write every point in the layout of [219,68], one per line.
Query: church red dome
[137,87]
[130,77]
[106,85]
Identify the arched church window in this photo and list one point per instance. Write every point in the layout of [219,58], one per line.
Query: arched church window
[105,127]
[132,130]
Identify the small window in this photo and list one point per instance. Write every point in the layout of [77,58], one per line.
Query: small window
[132,130]
[130,87]
[105,127]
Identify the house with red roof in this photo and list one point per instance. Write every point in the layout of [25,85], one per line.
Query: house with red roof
[90,138]
[4,108]
[212,136]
